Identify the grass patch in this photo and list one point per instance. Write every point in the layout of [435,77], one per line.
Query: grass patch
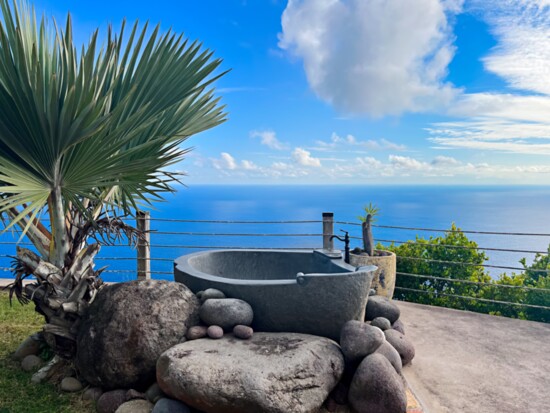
[17,393]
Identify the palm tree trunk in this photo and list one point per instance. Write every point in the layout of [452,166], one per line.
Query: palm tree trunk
[60,242]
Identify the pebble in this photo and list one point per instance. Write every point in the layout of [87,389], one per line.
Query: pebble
[372,292]
[29,346]
[71,385]
[154,393]
[196,332]
[379,306]
[243,332]
[226,313]
[358,340]
[399,326]
[403,346]
[110,401]
[92,394]
[211,293]
[214,332]
[382,323]
[31,363]
[165,405]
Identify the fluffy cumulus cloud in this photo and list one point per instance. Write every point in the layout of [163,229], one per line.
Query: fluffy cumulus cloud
[374,57]
[225,161]
[269,139]
[304,158]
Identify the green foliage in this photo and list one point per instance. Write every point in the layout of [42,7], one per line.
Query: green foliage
[370,209]
[456,262]
[98,126]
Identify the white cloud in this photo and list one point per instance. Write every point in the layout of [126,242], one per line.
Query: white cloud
[248,165]
[373,57]
[405,162]
[269,139]
[522,29]
[304,158]
[445,161]
[337,143]
[225,161]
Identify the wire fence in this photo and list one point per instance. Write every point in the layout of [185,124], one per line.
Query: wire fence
[171,238]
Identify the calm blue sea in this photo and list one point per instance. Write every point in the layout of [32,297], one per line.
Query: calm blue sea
[476,208]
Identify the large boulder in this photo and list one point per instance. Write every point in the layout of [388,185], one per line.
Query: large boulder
[359,339]
[126,329]
[377,388]
[269,373]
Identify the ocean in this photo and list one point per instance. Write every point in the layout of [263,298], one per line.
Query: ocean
[507,209]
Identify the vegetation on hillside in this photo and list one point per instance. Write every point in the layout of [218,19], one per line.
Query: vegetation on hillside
[448,271]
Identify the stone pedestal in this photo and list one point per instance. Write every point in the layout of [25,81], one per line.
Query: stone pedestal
[384,277]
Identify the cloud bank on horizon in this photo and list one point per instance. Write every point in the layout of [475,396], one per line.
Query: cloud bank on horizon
[376,59]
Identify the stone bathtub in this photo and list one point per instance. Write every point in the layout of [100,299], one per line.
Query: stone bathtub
[293,291]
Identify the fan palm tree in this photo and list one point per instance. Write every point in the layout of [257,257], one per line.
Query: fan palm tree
[86,137]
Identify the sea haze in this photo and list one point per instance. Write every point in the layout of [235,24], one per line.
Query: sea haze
[474,208]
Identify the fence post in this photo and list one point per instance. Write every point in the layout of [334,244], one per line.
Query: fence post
[328,230]
[143,246]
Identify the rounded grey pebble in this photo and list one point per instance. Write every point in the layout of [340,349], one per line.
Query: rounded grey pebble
[243,332]
[382,323]
[379,306]
[358,339]
[215,332]
[403,346]
[70,385]
[372,292]
[196,332]
[226,313]
[387,350]
[31,363]
[110,401]
[165,405]
[154,393]
[92,394]
[199,294]
[211,293]
[399,326]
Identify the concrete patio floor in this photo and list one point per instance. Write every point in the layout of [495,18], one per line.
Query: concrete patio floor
[475,363]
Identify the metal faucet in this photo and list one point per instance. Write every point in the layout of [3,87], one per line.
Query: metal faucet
[346,243]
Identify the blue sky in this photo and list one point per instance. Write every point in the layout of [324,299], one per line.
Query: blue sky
[362,91]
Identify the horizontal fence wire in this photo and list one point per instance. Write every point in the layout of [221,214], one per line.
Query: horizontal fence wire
[470,264]
[231,247]
[456,280]
[217,234]
[234,222]
[437,293]
[531,234]
[464,247]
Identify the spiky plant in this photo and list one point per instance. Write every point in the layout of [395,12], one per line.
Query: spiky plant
[367,220]
[86,136]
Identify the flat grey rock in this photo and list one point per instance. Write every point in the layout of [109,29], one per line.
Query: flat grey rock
[358,340]
[377,388]
[270,372]
[226,313]
[403,346]
[128,326]
[379,306]
[135,406]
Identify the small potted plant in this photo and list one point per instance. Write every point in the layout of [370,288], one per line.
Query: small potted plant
[384,277]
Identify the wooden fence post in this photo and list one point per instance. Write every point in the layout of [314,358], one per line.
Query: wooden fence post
[144,246]
[328,230]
